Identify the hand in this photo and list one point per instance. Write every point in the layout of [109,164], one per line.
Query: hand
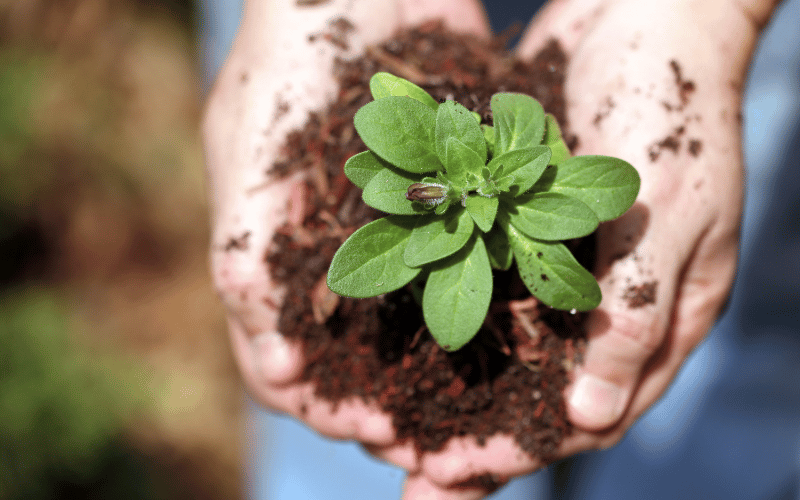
[615,48]
[272,79]
[627,98]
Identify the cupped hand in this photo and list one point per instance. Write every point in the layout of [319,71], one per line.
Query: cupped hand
[655,83]
[273,77]
[658,84]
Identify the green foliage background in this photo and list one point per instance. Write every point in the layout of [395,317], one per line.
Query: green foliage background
[116,380]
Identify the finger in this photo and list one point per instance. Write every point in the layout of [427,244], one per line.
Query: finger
[349,419]
[627,328]
[269,361]
[418,487]
[267,358]
[564,20]
[705,286]
[400,454]
[465,16]
[463,460]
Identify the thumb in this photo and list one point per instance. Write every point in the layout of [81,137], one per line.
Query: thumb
[628,328]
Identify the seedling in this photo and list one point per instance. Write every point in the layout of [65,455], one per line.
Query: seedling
[465,198]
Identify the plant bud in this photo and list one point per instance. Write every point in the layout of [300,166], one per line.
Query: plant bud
[428,193]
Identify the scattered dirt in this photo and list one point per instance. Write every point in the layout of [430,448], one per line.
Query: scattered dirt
[605,110]
[310,3]
[238,242]
[685,87]
[338,31]
[510,378]
[641,295]
[695,147]
[672,142]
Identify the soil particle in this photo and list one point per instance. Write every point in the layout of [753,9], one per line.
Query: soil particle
[337,34]
[641,295]
[605,110]
[310,3]
[510,378]
[695,147]
[238,242]
[281,108]
[685,87]
[671,142]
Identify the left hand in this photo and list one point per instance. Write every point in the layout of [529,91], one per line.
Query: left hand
[624,97]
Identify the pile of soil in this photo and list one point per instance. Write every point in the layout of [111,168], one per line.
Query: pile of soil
[509,379]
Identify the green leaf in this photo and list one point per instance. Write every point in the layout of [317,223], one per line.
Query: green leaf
[482,210]
[523,166]
[554,140]
[387,189]
[370,262]
[499,249]
[442,208]
[460,160]
[552,274]
[436,237]
[488,136]
[606,185]
[386,85]
[518,122]
[401,131]
[457,296]
[361,168]
[454,120]
[551,216]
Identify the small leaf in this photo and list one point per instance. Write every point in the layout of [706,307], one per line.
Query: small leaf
[457,295]
[401,131]
[482,210]
[545,182]
[454,120]
[386,85]
[522,166]
[554,140]
[488,136]
[499,249]
[551,216]
[361,168]
[436,237]
[370,262]
[459,161]
[387,190]
[606,185]
[442,207]
[518,122]
[552,274]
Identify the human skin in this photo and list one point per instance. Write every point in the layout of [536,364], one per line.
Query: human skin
[622,99]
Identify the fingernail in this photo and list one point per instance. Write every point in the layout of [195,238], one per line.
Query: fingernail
[272,356]
[598,401]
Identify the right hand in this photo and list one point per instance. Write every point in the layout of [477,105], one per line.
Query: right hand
[272,79]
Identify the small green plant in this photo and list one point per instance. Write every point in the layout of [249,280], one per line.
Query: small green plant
[465,198]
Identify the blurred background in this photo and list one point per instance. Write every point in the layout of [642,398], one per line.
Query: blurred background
[116,379]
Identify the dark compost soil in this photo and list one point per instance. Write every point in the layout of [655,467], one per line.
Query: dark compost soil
[510,378]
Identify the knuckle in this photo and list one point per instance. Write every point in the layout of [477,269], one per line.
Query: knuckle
[235,277]
[637,337]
